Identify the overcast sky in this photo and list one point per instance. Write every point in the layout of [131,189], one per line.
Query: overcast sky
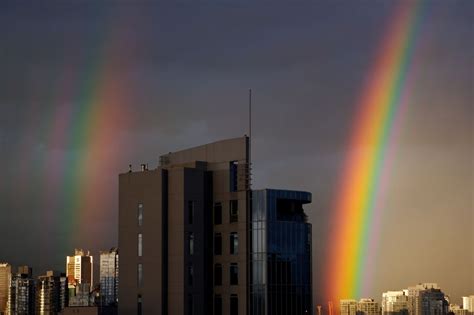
[119,82]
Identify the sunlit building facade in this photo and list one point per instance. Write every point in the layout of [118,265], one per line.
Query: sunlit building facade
[468,303]
[109,268]
[368,307]
[426,299]
[395,303]
[51,293]
[21,295]
[348,307]
[79,268]
[5,278]
[193,241]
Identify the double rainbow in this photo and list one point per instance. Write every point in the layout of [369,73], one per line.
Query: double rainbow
[81,139]
[359,201]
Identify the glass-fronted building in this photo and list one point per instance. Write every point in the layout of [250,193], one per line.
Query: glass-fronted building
[280,253]
[109,268]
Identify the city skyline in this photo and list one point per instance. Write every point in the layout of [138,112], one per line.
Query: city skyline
[112,86]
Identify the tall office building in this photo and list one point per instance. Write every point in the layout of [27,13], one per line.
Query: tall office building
[194,239]
[280,260]
[79,268]
[368,307]
[5,278]
[21,295]
[51,293]
[109,269]
[426,299]
[395,303]
[348,307]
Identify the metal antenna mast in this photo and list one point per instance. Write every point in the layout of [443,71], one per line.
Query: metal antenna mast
[250,134]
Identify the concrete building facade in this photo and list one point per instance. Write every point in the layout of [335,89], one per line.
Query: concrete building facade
[5,278]
[185,234]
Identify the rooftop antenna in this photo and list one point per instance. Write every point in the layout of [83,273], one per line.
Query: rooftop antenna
[250,134]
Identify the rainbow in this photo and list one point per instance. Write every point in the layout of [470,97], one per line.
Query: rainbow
[87,112]
[359,200]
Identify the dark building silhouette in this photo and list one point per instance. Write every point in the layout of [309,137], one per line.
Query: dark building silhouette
[194,239]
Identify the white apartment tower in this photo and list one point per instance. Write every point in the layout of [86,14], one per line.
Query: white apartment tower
[79,268]
[394,301]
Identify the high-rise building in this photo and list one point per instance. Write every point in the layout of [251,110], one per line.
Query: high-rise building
[81,296]
[21,294]
[5,278]
[468,303]
[280,260]
[194,239]
[394,303]
[109,269]
[368,307]
[348,307]
[79,268]
[51,293]
[426,299]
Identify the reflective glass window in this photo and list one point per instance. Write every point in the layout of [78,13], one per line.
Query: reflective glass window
[140,214]
[139,304]
[191,243]
[140,275]
[234,243]
[140,244]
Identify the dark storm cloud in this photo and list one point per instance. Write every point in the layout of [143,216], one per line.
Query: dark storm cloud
[187,67]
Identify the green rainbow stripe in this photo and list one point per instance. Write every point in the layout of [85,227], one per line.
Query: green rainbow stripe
[356,221]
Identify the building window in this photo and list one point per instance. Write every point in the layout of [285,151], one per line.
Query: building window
[190,212]
[139,304]
[218,213]
[234,304]
[140,244]
[233,211]
[190,275]
[140,214]
[191,243]
[233,165]
[217,304]
[217,274]
[140,275]
[234,243]
[218,244]
[234,274]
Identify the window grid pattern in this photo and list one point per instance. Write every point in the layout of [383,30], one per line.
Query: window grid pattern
[280,256]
